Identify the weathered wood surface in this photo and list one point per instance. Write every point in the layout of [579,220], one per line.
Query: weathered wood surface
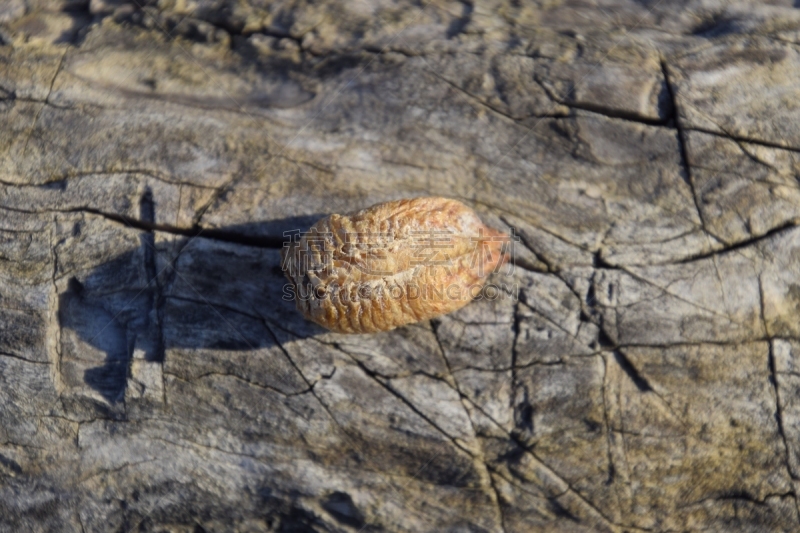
[645,378]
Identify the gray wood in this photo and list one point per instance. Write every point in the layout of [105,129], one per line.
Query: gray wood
[636,372]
